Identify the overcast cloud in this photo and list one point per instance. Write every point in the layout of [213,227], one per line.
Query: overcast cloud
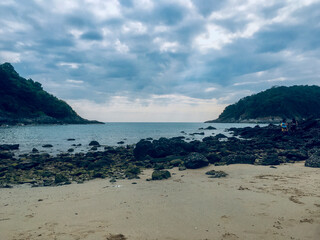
[143,60]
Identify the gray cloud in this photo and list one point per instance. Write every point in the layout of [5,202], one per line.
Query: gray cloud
[198,49]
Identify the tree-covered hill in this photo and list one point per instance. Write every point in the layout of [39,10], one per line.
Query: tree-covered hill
[24,101]
[274,104]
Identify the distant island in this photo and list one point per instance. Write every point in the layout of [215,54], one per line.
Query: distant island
[24,101]
[274,104]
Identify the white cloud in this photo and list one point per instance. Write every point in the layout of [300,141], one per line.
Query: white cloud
[210,89]
[134,27]
[121,47]
[70,65]
[167,108]
[12,57]
[74,81]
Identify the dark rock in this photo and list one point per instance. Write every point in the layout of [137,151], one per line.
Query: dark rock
[239,158]
[270,159]
[9,147]
[94,148]
[6,155]
[121,142]
[27,165]
[314,160]
[175,162]
[70,150]
[71,139]
[216,174]
[182,168]
[132,172]
[195,160]
[196,133]
[159,175]
[47,146]
[34,150]
[59,178]
[113,180]
[220,135]
[213,158]
[210,128]
[295,155]
[94,143]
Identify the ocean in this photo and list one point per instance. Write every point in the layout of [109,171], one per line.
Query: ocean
[106,134]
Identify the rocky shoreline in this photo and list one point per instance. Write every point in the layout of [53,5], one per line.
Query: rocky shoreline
[258,146]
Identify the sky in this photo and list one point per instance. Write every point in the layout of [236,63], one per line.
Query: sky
[161,60]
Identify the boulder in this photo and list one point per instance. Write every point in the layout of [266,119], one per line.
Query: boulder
[314,160]
[160,174]
[34,150]
[213,158]
[210,128]
[195,160]
[47,146]
[269,159]
[239,158]
[94,143]
[9,146]
[6,155]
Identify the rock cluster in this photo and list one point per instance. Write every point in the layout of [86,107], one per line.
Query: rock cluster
[258,145]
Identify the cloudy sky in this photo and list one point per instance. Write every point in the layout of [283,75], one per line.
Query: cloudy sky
[161,60]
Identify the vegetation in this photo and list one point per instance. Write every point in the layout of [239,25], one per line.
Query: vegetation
[25,101]
[298,102]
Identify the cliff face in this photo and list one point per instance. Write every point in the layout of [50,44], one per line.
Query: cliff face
[25,102]
[274,104]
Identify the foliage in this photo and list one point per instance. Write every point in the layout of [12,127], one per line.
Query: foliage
[285,102]
[21,98]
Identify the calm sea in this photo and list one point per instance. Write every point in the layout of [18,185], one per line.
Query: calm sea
[106,134]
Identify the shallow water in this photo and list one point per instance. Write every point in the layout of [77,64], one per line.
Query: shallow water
[106,134]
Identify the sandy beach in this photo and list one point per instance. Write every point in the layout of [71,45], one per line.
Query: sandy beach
[252,202]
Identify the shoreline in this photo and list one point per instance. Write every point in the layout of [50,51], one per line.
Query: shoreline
[252,202]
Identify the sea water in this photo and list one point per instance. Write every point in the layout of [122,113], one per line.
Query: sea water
[106,134]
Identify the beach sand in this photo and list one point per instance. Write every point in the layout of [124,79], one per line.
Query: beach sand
[252,202]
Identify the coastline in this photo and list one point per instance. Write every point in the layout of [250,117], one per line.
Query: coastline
[253,202]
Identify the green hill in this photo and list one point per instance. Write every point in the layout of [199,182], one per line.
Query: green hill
[25,102]
[274,104]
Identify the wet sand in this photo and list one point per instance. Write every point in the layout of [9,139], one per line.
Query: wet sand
[252,202]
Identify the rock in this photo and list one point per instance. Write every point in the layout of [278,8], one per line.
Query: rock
[216,174]
[70,150]
[34,150]
[121,142]
[213,158]
[182,167]
[113,180]
[160,174]
[94,148]
[175,162]
[71,139]
[239,158]
[9,147]
[314,160]
[47,146]
[220,135]
[59,179]
[6,155]
[270,159]
[195,160]
[94,143]
[295,155]
[132,172]
[210,128]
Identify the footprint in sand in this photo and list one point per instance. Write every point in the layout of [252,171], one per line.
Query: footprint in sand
[295,200]
[229,236]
